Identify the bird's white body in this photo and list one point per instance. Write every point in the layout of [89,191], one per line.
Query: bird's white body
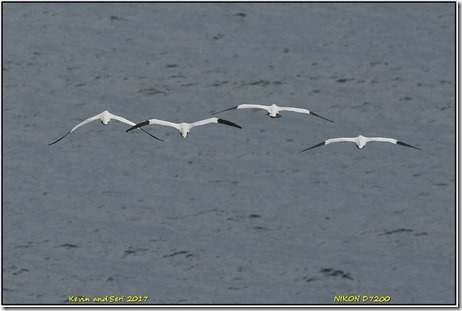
[360,141]
[105,117]
[273,110]
[184,128]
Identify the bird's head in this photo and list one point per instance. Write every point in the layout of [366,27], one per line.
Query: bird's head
[105,117]
[361,141]
[184,129]
[273,116]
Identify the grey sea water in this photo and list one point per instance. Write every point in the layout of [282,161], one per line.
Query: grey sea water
[228,216]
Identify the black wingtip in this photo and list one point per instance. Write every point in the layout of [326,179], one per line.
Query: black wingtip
[317,115]
[54,142]
[138,125]
[151,134]
[406,145]
[58,139]
[315,146]
[232,108]
[228,123]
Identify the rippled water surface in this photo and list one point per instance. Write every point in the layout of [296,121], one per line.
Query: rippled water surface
[228,216]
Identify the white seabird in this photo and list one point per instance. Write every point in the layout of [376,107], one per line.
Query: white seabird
[361,141]
[184,128]
[104,117]
[273,110]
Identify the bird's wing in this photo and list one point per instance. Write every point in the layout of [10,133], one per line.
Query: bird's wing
[139,125]
[151,134]
[315,146]
[164,123]
[120,119]
[332,140]
[381,139]
[406,145]
[232,108]
[302,110]
[253,106]
[85,122]
[245,106]
[205,121]
[77,126]
[391,140]
[226,122]
[59,139]
[123,120]
[214,120]
[154,121]
[299,110]
[341,139]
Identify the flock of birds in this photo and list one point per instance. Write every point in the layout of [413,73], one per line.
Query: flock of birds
[273,111]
